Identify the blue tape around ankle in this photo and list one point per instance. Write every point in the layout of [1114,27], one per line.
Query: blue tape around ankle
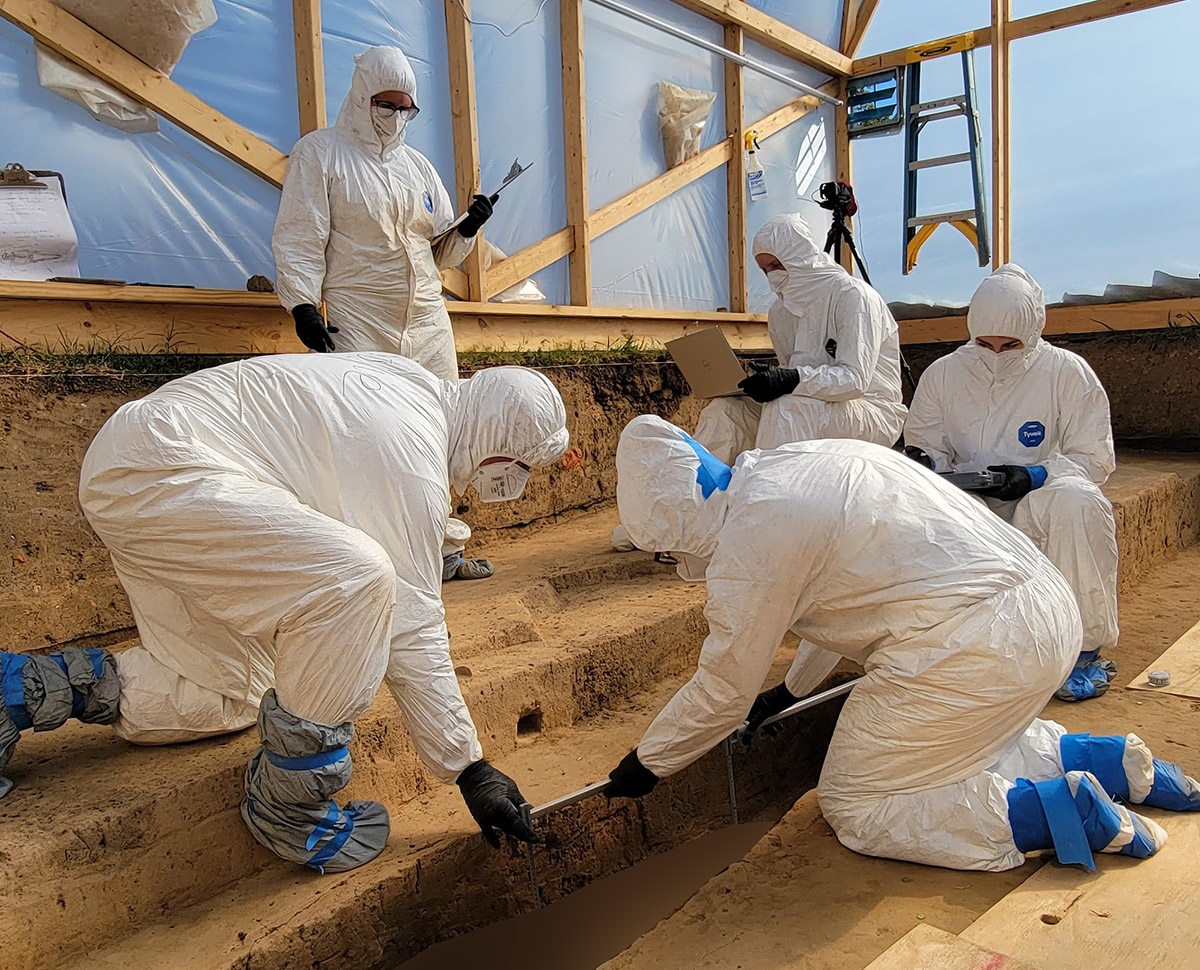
[1066,827]
[12,688]
[308,762]
[1101,756]
[336,821]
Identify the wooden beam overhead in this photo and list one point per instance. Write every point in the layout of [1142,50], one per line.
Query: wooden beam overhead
[310,64]
[772,33]
[735,174]
[76,41]
[465,132]
[1080,13]
[1001,114]
[866,11]
[849,17]
[574,89]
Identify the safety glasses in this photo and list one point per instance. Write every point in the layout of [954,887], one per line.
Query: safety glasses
[387,109]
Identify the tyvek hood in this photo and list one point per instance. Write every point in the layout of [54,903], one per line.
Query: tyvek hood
[511,411]
[662,477]
[1009,303]
[811,275]
[375,69]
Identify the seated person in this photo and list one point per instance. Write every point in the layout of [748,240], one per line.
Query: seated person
[1009,401]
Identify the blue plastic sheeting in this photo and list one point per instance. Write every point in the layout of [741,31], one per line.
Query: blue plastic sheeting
[164,208]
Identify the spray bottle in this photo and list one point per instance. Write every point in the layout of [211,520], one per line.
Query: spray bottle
[756,178]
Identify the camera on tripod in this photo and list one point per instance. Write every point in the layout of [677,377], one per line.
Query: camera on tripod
[838,198]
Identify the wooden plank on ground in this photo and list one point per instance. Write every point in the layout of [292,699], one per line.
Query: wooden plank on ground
[1182,660]
[1127,915]
[928,948]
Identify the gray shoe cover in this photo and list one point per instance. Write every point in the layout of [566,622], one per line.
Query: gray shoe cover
[42,692]
[289,783]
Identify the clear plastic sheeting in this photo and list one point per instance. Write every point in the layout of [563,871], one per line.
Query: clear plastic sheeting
[154,31]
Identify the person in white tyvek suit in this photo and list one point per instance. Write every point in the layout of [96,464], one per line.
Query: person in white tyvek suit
[277,525]
[1010,401]
[964,629]
[356,224]
[839,356]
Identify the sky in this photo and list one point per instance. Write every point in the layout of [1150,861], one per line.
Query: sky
[1105,152]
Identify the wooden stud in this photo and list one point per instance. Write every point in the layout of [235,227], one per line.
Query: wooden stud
[845,172]
[465,131]
[735,174]
[1001,102]
[849,18]
[575,145]
[76,41]
[310,64]
[866,11]
[772,33]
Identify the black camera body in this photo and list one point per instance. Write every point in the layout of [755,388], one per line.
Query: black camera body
[838,198]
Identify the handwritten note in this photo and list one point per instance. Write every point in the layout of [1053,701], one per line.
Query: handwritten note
[37,238]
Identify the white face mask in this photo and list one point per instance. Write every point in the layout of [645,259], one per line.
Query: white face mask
[1003,364]
[777,280]
[500,481]
[388,127]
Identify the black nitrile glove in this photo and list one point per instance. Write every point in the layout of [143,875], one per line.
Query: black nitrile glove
[769,382]
[769,703]
[630,779]
[919,455]
[1018,485]
[478,212]
[311,329]
[495,802]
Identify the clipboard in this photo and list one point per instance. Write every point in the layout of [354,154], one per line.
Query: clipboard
[514,172]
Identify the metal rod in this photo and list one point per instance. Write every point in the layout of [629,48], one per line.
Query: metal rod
[708,45]
[728,744]
[576,796]
[821,698]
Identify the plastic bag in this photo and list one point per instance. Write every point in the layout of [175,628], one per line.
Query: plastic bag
[526,291]
[682,114]
[154,31]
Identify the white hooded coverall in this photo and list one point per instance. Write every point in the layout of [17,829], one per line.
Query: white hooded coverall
[279,521]
[1040,405]
[355,223]
[963,627]
[852,393]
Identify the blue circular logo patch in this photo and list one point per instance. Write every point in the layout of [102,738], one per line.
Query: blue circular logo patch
[428,200]
[1031,434]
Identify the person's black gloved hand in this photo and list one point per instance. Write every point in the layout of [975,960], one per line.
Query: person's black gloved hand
[919,455]
[769,382]
[630,779]
[1018,485]
[311,329]
[478,212]
[495,802]
[769,703]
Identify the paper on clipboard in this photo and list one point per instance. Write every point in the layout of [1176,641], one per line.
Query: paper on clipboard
[514,171]
[37,237]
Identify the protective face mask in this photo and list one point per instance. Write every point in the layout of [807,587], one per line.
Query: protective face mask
[1001,365]
[387,127]
[777,280]
[501,481]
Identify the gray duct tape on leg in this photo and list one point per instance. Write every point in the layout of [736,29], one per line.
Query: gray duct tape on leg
[8,740]
[289,784]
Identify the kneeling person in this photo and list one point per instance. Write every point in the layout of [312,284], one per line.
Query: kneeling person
[1009,401]
[964,629]
[277,524]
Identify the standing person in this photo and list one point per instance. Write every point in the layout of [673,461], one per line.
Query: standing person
[277,525]
[963,627]
[1008,401]
[357,222]
[839,356]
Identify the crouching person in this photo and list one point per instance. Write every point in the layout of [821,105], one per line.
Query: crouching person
[278,524]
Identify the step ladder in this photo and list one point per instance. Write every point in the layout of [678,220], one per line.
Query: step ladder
[972,223]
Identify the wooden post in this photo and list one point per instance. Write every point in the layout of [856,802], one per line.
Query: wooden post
[575,143]
[465,132]
[735,174]
[310,64]
[858,30]
[845,172]
[1001,230]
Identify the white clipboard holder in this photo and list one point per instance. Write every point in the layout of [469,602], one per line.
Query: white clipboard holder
[515,170]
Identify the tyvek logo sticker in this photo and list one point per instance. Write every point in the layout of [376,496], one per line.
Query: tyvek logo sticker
[428,200]
[1031,434]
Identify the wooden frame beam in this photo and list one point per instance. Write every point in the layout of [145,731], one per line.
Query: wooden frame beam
[852,39]
[772,33]
[310,64]
[575,147]
[1080,13]
[1001,115]
[465,133]
[76,41]
[844,164]
[735,174]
